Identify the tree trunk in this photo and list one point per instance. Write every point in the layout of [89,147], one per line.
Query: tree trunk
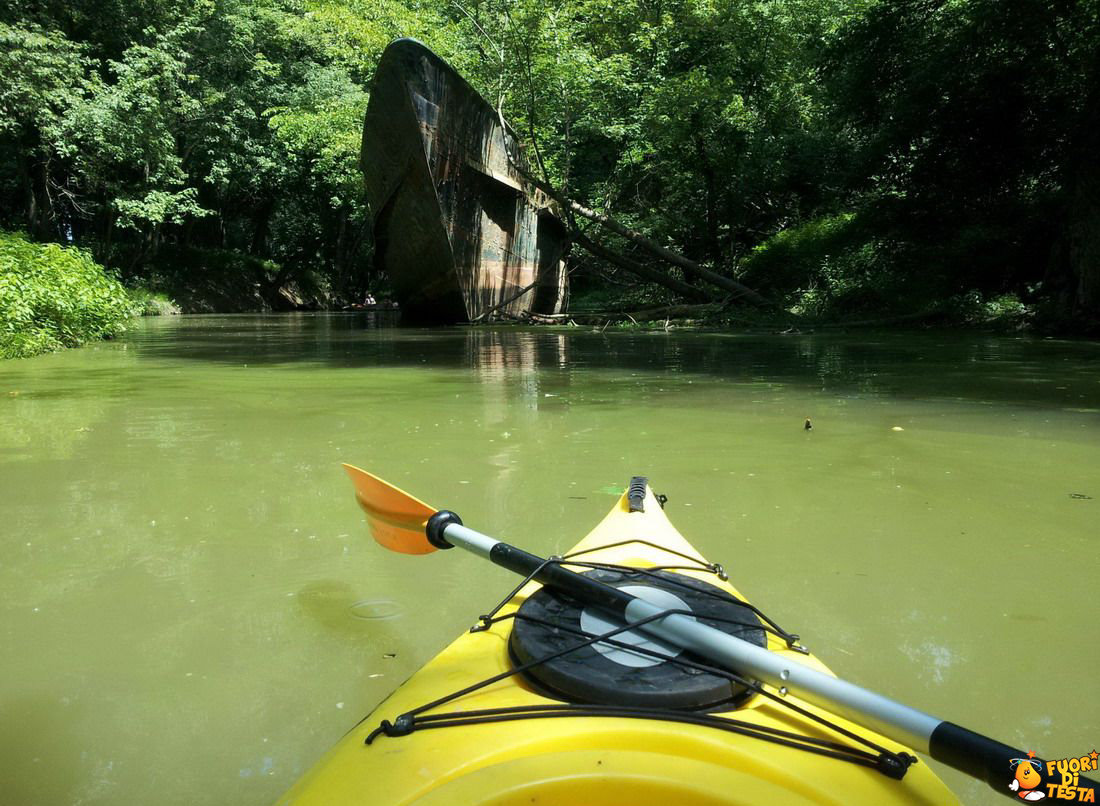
[652,275]
[30,201]
[1083,219]
[142,252]
[689,266]
[710,184]
[270,289]
[40,210]
[735,288]
[646,315]
[109,232]
[1083,230]
[260,228]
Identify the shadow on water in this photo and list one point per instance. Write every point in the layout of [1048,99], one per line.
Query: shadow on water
[966,366]
[334,605]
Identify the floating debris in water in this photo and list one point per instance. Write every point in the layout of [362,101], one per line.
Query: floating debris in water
[808,426]
[1080,496]
[389,655]
[897,428]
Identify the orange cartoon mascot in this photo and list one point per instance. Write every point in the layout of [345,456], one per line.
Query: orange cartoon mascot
[1027,778]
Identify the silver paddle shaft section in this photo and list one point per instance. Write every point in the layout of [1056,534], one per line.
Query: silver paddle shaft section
[864,707]
[466,538]
[881,714]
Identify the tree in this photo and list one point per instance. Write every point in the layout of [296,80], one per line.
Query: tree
[971,122]
[45,77]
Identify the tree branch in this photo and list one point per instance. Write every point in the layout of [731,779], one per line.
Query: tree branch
[645,272]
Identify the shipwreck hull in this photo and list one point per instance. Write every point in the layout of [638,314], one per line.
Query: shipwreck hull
[457,228]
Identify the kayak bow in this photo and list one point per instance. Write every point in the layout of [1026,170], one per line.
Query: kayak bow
[469,728]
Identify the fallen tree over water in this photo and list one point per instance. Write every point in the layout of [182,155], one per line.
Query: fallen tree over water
[733,289]
[698,271]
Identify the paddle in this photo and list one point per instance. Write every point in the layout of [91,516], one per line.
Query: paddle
[406,524]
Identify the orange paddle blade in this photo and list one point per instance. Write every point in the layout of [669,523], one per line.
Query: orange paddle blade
[396,519]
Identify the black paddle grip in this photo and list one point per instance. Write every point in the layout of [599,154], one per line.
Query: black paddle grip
[554,576]
[988,760]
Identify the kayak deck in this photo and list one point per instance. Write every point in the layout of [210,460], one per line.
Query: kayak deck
[578,758]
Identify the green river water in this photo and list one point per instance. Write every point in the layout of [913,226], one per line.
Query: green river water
[191,610]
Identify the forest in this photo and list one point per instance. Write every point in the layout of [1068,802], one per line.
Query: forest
[846,159]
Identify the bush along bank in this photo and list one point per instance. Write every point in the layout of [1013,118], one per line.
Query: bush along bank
[153,303]
[53,297]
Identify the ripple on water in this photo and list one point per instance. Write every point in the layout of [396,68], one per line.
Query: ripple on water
[376,609]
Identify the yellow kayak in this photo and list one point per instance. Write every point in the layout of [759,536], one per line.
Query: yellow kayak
[620,720]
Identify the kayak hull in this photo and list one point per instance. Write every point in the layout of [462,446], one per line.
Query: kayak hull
[595,760]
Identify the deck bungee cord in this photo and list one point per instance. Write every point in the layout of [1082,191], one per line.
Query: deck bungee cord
[891,764]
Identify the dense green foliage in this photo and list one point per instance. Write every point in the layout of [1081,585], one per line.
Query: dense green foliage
[842,156]
[53,297]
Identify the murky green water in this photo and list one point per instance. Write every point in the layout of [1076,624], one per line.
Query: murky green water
[191,611]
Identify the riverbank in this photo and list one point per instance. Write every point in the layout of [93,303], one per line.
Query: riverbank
[53,297]
[56,297]
[1001,314]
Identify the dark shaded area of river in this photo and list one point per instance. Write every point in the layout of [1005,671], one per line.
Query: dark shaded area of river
[1026,370]
[191,611]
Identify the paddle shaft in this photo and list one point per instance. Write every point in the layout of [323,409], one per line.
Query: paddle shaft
[969,752]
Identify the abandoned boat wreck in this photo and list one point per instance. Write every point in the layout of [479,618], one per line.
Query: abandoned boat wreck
[458,230]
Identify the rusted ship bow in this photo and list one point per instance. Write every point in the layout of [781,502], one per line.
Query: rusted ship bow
[457,228]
